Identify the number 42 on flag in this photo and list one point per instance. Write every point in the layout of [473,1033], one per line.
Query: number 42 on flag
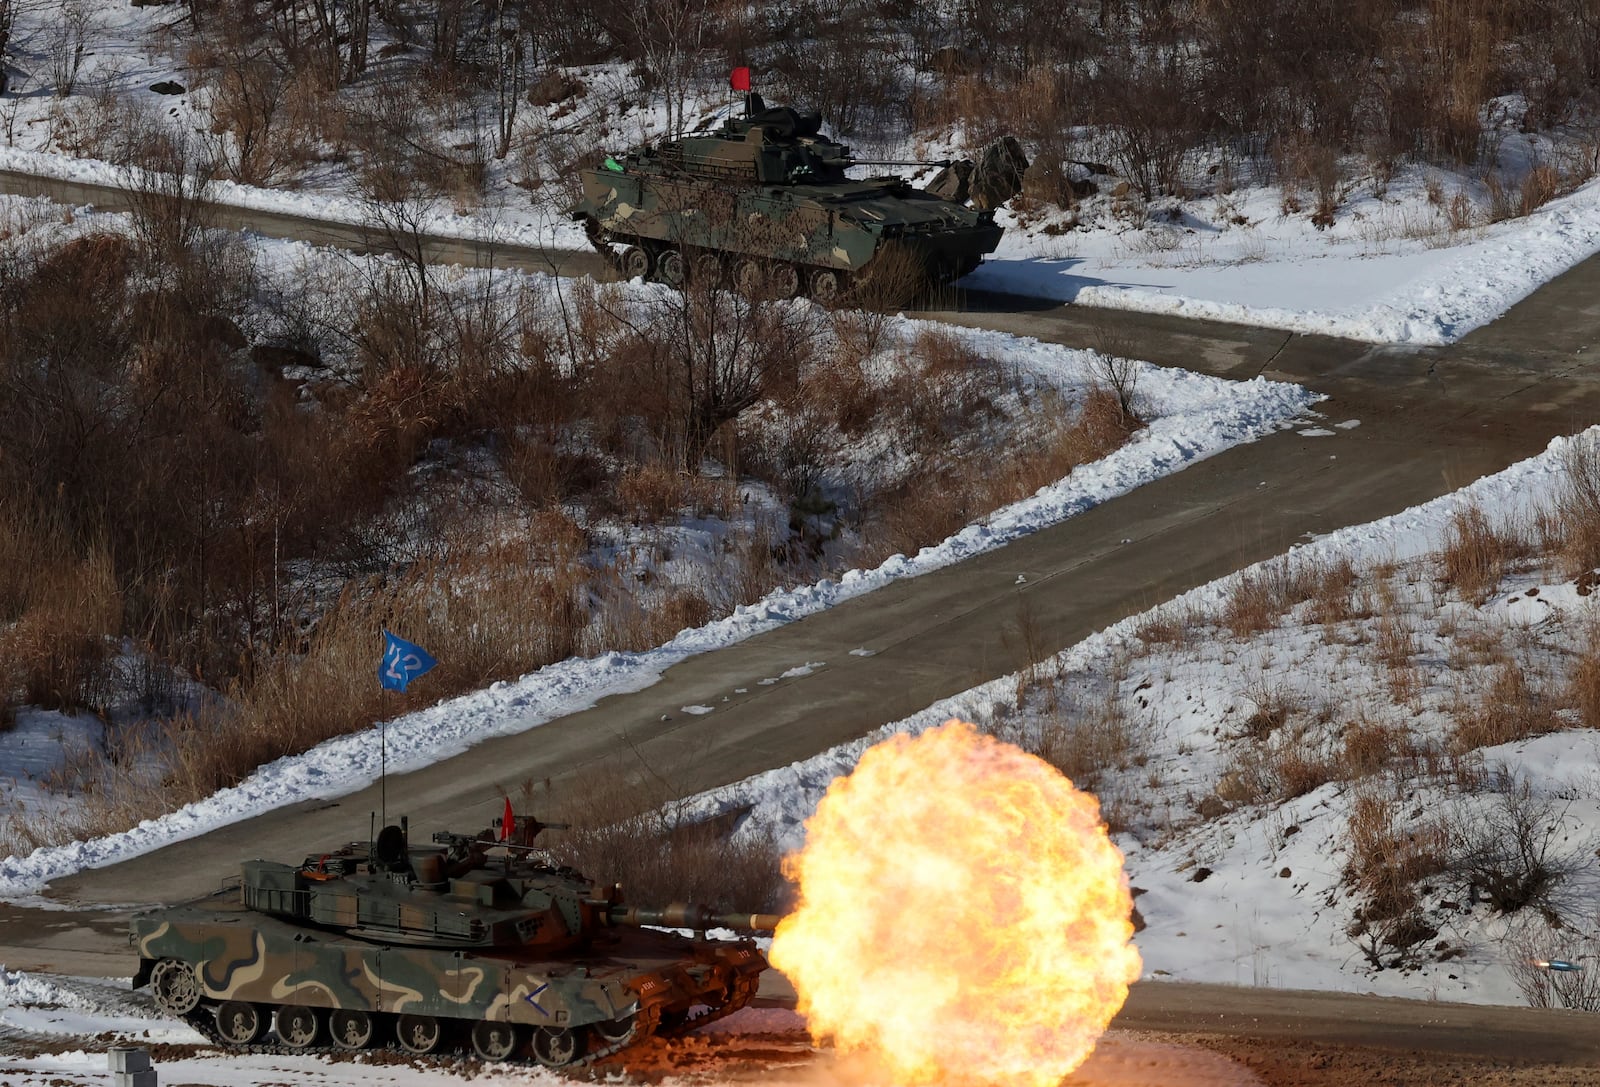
[402,662]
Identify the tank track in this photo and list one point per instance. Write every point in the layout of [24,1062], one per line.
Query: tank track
[743,991]
[203,1021]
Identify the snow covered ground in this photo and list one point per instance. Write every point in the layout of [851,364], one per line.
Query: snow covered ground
[1254,891]
[1389,270]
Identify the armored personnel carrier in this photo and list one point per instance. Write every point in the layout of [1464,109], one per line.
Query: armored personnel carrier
[475,941]
[766,202]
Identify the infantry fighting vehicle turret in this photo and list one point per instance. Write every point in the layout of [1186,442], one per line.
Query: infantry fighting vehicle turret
[765,201]
[478,941]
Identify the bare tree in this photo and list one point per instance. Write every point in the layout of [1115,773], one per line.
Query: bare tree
[669,37]
[68,38]
[511,56]
[167,178]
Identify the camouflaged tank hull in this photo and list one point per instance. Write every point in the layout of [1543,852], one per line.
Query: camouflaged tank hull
[842,227]
[239,955]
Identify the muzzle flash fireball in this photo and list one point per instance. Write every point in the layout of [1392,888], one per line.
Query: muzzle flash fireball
[963,916]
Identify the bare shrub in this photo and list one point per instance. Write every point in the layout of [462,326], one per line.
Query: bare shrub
[1119,377]
[1532,943]
[1514,853]
[167,180]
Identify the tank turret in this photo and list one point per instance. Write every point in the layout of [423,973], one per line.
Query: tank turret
[454,894]
[478,939]
[765,200]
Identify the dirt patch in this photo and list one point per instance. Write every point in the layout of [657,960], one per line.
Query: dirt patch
[1278,1065]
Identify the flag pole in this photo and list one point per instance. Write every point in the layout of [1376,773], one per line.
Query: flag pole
[401,663]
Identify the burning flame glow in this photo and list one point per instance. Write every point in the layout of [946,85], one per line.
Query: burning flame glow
[963,916]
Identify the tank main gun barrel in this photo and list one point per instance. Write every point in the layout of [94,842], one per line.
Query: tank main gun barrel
[900,162]
[689,915]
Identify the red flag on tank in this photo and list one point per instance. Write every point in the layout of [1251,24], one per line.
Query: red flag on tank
[507,821]
[739,79]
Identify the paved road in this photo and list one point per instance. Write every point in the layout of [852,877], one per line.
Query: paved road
[1431,421]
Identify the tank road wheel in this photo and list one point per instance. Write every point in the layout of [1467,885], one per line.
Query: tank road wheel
[298,1026]
[707,269]
[176,989]
[824,286]
[557,1047]
[614,1031]
[784,280]
[749,277]
[494,1041]
[239,1023]
[635,263]
[350,1029]
[418,1033]
[671,268]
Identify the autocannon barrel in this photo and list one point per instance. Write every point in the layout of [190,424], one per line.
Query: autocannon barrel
[689,915]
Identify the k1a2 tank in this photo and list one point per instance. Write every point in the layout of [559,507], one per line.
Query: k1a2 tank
[470,942]
[765,201]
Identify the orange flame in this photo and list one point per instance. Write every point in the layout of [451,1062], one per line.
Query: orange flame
[963,916]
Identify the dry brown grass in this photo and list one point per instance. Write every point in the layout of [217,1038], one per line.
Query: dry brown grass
[1370,746]
[956,490]
[637,831]
[1275,770]
[1387,858]
[1477,553]
[1273,709]
[1396,644]
[1478,644]
[1166,626]
[1084,743]
[1333,600]
[1572,528]
[1263,595]
[57,651]
[1583,683]
[1512,708]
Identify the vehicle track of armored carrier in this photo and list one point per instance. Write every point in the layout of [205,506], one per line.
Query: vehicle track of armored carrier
[765,202]
[477,942]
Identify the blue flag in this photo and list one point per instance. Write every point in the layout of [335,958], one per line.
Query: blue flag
[402,662]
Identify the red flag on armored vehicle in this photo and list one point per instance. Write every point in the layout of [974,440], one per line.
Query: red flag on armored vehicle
[507,821]
[739,79]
